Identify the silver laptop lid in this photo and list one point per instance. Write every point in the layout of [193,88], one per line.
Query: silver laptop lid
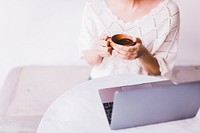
[152,105]
[107,94]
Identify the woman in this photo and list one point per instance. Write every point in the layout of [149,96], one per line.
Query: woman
[154,24]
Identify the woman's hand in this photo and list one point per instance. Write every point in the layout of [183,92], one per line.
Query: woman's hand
[147,61]
[130,52]
[103,48]
[95,55]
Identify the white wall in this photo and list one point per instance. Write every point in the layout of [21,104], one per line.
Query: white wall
[38,32]
[44,32]
[189,44]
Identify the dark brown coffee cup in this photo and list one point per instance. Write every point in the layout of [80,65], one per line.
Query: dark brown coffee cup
[121,39]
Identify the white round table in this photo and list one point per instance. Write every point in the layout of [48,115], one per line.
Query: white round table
[80,110]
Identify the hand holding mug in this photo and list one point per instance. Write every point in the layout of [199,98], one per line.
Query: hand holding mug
[103,48]
[127,47]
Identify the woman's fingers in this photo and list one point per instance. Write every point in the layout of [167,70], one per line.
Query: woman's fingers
[127,52]
[126,48]
[104,37]
[103,47]
[104,51]
[127,57]
[103,41]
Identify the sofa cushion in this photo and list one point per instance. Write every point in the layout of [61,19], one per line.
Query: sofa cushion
[36,87]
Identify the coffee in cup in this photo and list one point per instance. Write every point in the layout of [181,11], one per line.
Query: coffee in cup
[121,39]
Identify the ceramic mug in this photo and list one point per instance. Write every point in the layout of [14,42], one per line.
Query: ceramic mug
[121,39]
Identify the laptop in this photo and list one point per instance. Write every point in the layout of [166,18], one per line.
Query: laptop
[150,103]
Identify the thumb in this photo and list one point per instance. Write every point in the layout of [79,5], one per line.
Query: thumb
[137,40]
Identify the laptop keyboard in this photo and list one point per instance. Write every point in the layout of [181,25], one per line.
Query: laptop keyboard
[108,109]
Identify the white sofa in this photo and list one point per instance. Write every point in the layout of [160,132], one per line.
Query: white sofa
[28,92]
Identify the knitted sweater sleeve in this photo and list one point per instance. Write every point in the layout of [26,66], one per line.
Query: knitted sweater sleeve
[166,49]
[88,34]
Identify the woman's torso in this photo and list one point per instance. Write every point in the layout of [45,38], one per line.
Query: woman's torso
[149,28]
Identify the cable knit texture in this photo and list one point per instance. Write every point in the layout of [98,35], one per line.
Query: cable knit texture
[158,30]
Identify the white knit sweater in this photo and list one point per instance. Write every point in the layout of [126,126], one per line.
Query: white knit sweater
[158,31]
